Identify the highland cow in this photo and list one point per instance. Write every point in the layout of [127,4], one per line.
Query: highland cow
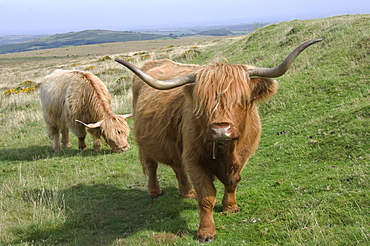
[203,122]
[75,100]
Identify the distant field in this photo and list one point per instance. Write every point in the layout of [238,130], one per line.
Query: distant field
[108,48]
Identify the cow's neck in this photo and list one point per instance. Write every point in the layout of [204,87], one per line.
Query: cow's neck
[223,161]
[101,113]
[222,149]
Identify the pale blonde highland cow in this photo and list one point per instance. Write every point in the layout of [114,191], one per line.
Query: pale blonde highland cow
[76,100]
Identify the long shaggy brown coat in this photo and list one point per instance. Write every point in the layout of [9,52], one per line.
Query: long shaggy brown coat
[172,127]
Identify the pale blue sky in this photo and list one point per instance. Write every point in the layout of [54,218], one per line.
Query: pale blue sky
[58,16]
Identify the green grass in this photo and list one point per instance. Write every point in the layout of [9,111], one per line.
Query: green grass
[306,186]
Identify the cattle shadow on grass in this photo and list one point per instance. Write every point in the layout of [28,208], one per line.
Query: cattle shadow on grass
[101,214]
[32,153]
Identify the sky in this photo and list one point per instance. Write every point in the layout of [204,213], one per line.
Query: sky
[33,17]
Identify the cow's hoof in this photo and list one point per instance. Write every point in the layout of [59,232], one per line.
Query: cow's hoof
[231,209]
[67,145]
[81,146]
[97,147]
[206,238]
[154,194]
[190,194]
[206,235]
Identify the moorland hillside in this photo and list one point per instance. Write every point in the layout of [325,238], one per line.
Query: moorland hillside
[308,183]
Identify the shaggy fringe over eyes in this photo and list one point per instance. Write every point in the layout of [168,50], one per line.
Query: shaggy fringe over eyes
[220,87]
[112,125]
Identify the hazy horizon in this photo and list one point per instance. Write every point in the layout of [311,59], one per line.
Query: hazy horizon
[42,17]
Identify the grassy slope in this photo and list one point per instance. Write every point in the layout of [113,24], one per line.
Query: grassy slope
[307,186]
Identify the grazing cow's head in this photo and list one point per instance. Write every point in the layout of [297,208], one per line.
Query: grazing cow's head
[222,94]
[114,130]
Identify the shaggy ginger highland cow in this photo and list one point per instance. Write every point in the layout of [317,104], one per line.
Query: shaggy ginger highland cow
[203,122]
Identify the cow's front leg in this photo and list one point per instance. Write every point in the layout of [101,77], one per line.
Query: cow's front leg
[229,199]
[230,183]
[81,143]
[80,132]
[206,197]
[96,143]
[95,133]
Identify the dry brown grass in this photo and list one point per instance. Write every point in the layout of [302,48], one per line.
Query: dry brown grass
[110,48]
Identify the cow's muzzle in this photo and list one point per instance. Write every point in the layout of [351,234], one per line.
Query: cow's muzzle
[222,132]
[121,149]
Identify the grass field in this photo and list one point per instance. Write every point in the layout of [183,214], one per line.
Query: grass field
[308,184]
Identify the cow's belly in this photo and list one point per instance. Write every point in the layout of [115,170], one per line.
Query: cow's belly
[159,147]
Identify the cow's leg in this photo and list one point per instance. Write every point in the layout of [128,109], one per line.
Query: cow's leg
[150,168]
[81,143]
[54,133]
[80,133]
[96,138]
[229,199]
[96,143]
[65,138]
[206,198]
[185,188]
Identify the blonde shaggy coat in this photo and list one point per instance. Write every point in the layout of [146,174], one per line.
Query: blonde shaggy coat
[76,100]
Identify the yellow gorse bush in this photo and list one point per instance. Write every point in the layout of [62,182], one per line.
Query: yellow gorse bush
[26,86]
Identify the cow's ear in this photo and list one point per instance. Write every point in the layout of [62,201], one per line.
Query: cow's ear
[262,88]
[187,90]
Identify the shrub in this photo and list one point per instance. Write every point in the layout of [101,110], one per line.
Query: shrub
[26,86]
[105,58]
[122,85]
[89,68]
[144,57]
[190,54]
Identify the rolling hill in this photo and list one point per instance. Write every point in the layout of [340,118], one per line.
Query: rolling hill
[12,39]
[79,38]
[13,44]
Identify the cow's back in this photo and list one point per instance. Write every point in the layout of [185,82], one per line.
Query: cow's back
[158,113]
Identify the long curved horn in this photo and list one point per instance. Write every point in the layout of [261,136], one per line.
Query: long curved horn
[155,83]
[127,115]
[91,125]
[283,67]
